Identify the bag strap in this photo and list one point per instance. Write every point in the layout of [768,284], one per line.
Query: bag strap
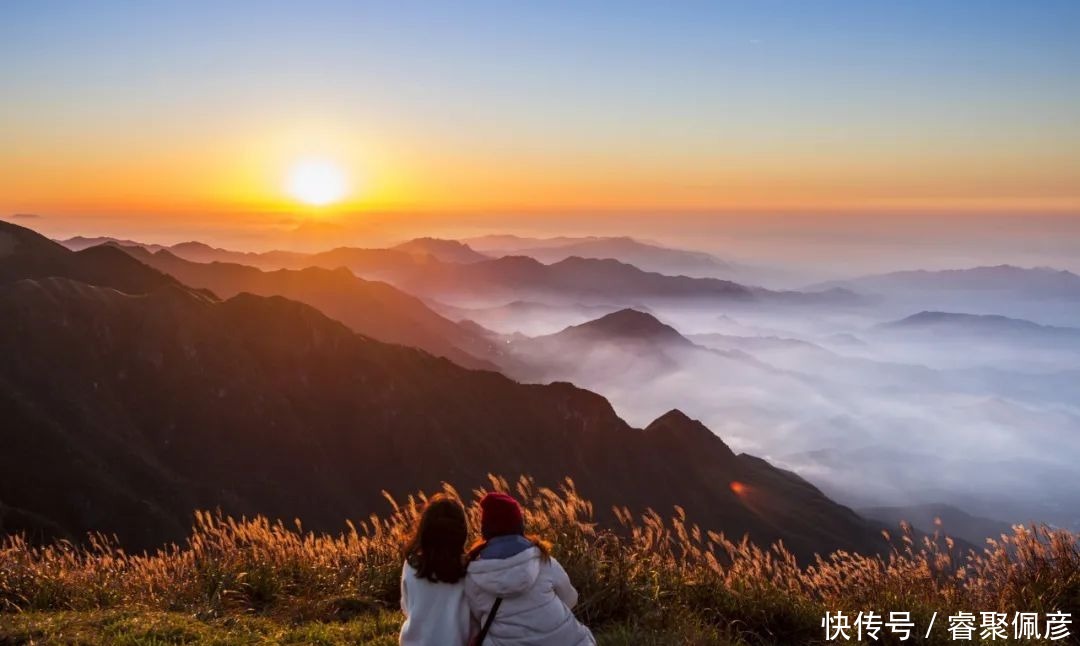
[488,621]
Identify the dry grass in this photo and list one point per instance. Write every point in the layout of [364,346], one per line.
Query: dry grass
[656,581]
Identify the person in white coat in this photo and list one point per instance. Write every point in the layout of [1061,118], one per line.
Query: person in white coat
[535,591]
[433,578]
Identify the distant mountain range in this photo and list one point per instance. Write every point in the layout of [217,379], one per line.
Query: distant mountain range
[195,252]
[585,281]
[627,351]
[447,270]
[650,257]
[129,400]
[978,326]
[25,254]
[444,250]
[1031,283]
[371,308]
[946,520]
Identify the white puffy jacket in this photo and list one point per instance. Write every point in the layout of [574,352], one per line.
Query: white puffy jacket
[537,597]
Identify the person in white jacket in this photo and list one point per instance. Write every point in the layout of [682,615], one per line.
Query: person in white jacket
[536,592]
[433,578]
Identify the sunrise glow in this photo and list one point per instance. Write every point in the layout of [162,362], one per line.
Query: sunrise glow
[316,182]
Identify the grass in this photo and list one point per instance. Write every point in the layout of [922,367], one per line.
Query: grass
[654,581]
[152,628]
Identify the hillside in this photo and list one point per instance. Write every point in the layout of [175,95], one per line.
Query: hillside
[159,401]
[152,403]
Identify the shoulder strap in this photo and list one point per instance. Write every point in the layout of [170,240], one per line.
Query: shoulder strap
[487,622]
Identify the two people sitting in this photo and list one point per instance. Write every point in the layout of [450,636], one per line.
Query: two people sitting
[506,590]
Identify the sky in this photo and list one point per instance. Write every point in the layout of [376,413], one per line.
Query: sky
[179,117]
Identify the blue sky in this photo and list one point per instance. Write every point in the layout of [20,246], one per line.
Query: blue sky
[693,90]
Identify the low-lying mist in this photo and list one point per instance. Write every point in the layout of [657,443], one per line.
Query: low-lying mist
[876,408]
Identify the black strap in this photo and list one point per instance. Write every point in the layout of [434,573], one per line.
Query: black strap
[487,622]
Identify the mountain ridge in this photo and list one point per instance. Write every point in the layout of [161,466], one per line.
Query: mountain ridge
[125,409]
[184,426]
[373,308]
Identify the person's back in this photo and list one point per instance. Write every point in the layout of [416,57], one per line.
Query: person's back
[536,598]
[433,578]
[536,592]
[435,612]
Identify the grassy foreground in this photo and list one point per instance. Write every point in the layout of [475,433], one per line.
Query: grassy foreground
[655,582]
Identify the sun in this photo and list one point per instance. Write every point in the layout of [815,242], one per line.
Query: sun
[318,182]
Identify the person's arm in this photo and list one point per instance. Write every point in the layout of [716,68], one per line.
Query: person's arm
[404,591]
[561,582]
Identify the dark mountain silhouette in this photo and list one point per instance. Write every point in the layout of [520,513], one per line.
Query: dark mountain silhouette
[200,252]
[650,257]
[78,243]
[123,412]
[581,280]
[27,254]
[357,259]
[444,250]
[371,308]
[196,252]
[1035,282]
[623,325]
[527,316]
[364,262]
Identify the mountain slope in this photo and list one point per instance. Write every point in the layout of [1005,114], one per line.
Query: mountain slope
[124,412]
[27,254]
[371,308]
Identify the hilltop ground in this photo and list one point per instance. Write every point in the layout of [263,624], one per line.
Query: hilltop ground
[654,582]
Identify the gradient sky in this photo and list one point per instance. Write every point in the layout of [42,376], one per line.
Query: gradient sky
[196,109]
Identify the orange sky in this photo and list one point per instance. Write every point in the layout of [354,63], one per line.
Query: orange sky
[198,111]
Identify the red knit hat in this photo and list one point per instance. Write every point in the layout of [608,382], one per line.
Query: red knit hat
[500,515]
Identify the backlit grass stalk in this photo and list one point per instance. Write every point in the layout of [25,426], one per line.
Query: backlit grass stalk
[649,573]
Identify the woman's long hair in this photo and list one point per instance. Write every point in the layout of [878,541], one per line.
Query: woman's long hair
[437,547]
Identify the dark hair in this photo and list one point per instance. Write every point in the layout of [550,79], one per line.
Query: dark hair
[437,547]
[538,543]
